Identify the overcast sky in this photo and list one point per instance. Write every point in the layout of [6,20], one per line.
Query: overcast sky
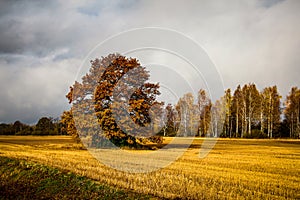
[42,44]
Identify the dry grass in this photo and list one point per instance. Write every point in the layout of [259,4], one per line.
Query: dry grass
[234,169]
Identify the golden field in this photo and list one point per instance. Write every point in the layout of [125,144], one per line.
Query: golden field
[234,169]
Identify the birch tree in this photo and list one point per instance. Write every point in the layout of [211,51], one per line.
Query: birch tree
[270,110]
[203,109]
[185,108]
[292,112]
[237,110]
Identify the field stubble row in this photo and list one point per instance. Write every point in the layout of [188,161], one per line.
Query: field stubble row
[234,169]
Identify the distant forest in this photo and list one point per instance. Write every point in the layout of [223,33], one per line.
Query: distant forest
[45,126]
[244,113]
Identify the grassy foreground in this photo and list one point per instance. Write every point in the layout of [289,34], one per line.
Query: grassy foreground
[234,169]
[26,180]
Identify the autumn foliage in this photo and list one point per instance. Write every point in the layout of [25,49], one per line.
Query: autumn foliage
[115,103]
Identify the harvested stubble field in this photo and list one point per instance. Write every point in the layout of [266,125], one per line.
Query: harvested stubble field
[234,169]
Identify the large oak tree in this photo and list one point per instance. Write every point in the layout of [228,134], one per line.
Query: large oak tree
[114,103]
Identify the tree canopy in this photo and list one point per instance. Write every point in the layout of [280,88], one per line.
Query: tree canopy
[117,93]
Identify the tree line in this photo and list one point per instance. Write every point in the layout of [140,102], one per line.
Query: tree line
[44,126]
[110,101]
[245,113]
[114,101]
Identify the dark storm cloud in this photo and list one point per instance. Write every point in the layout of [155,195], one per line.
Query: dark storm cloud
[43,43]
[32,87]
[269,3]
[39,27]
[22,27]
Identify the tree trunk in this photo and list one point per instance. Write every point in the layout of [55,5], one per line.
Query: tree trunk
[230,128]
[268,125]
[249,125]
[298,116]
[237,122]
[271,127]
[261,121]
[292,126]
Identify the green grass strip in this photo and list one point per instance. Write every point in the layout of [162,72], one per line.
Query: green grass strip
[21,179]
